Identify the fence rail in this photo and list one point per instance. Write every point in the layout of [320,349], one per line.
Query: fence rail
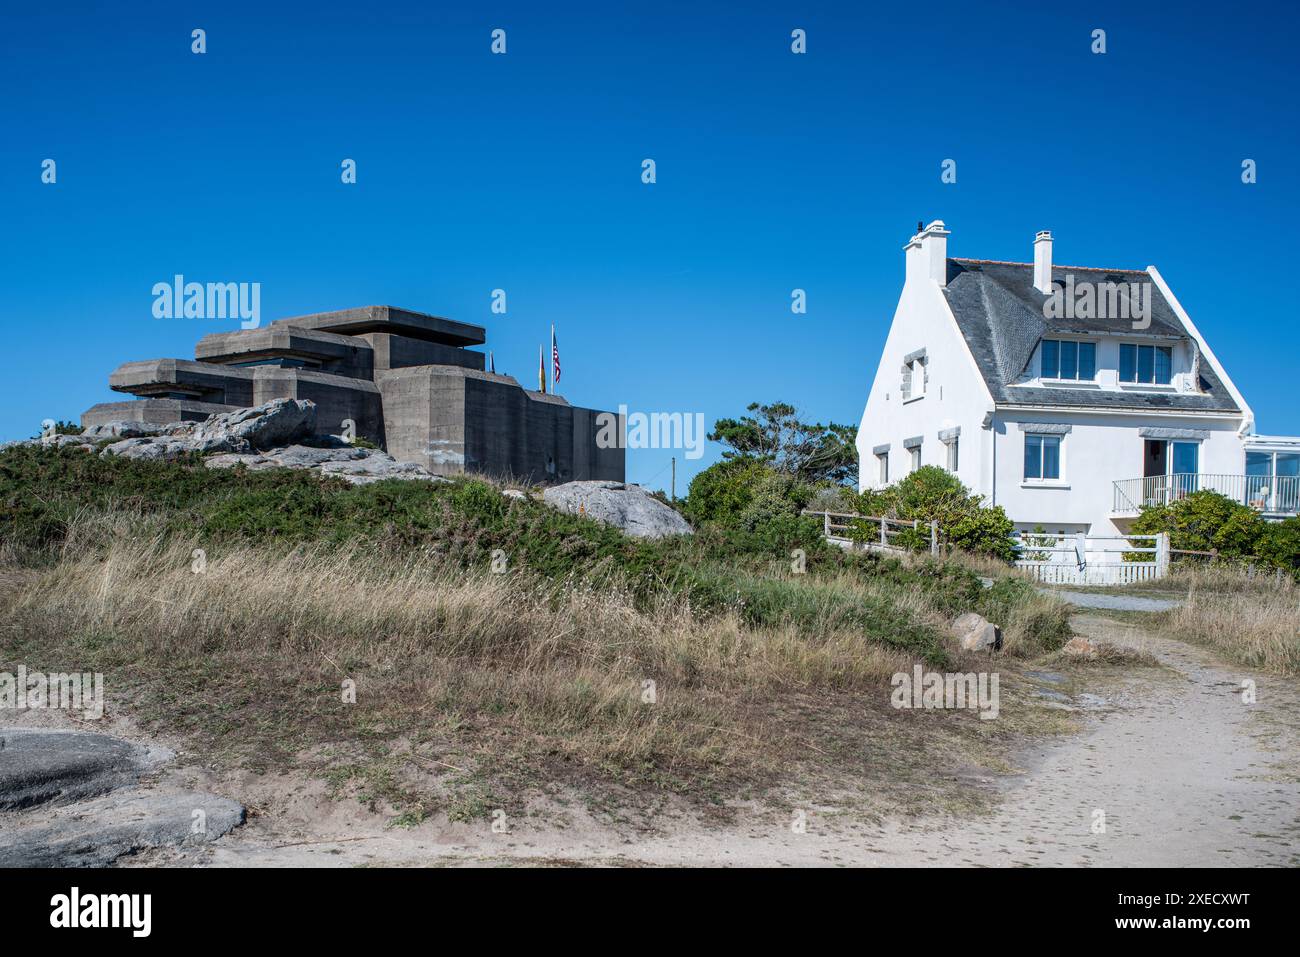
[1271,494]
[888,528]
[1092,559]
[1077,559]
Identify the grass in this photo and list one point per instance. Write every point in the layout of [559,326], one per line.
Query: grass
[1255,626]
[474,690]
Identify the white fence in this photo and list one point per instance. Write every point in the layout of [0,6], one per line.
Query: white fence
[1092,559]
[1051,559]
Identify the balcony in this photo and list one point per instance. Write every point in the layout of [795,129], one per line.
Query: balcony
[1273,495]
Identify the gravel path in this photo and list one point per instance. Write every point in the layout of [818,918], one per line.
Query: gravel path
[1113,602]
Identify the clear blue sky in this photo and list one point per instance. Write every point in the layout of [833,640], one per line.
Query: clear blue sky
[522,171]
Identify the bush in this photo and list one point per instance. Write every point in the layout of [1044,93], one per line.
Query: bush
[1203,521]
[931,494]
[745,494]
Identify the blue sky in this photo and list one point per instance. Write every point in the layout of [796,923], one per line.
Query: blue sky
[522,171]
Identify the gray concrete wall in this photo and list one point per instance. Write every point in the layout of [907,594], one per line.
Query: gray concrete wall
[337,398]
[455,420]
[397,352]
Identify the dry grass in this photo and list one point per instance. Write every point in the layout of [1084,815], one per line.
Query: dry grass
[505,681]
[1256,626]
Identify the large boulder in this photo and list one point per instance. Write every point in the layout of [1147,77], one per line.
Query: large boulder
[275,423]
[629,507]
[976,633]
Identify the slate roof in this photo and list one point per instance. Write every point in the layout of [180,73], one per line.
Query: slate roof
[1001,315]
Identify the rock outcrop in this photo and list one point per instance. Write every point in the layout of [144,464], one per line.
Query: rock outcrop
[358,466]
[72,799]
[628,507]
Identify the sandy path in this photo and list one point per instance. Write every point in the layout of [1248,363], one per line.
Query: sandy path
[1185,772]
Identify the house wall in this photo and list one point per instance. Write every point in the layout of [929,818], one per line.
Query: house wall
[955,395]
[1099,449]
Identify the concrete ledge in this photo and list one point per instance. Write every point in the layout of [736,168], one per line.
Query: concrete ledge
[417,325]
[340,355]
[203,381]
[152,411]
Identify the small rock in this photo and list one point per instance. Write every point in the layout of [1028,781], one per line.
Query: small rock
[514,493]
[1080,647]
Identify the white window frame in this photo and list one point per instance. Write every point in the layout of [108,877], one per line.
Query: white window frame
[1060,460]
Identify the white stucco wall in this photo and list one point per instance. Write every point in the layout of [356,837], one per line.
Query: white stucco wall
[1099,449]
[955,395]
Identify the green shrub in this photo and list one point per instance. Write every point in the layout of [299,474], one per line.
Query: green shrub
[933,494]
[1203,521]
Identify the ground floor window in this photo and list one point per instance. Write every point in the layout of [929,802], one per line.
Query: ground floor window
[1042,456]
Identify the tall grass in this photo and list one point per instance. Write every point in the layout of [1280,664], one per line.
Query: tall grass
[1258,627]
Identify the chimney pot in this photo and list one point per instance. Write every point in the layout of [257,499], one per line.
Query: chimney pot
[1043,262]
[927,253]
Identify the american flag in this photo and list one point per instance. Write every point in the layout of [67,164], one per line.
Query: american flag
[555,360]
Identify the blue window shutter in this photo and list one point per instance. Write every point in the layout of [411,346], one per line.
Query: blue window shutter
[1069,360]
[1051,361]
[1087,360]
[1164,365]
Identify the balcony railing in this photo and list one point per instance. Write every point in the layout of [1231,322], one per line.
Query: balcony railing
[1270,494]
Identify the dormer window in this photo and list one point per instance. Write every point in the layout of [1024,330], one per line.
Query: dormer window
[1068,359]
[1148,365]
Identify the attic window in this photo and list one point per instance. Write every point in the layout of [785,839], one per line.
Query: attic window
[1067,359]
[915,375]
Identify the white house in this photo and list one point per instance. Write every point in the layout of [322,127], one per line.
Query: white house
[1069,395]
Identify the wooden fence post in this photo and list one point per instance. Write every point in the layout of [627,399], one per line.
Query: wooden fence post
[1162,554]
[827,516]
[884,535]
[934,538]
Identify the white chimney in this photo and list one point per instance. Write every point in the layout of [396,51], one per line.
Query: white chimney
[1043,262]
[926,254]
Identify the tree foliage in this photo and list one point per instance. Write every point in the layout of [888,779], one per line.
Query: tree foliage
[775,435]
